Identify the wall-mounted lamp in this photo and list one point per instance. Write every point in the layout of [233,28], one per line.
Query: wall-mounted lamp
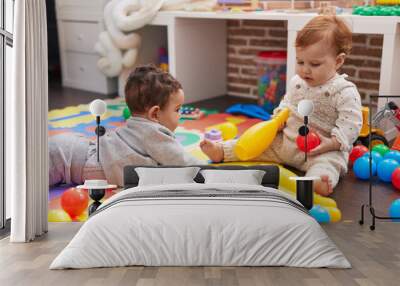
[306,140]
[97,108]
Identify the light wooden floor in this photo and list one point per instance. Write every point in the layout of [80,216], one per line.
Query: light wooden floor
[375,257]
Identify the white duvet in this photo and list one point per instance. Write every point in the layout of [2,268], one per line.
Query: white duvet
[185,230]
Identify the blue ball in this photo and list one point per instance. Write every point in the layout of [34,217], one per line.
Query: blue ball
[376,157]
[393,154]
[320,214]
[361,168]
[386,168]
[394,209]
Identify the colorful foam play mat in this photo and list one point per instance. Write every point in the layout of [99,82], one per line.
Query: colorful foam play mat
[66,203]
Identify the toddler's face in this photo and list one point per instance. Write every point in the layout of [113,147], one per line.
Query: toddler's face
[169,115]
[317,63]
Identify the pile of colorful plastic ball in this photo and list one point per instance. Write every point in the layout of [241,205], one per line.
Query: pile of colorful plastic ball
[385,164]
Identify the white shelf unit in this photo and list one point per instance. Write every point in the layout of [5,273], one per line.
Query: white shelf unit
[198,50]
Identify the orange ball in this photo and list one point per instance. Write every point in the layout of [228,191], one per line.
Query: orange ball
[74,202]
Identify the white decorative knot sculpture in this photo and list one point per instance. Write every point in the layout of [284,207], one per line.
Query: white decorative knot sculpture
[119,45]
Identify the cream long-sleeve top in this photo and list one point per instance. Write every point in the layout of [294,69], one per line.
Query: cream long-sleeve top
[337,109]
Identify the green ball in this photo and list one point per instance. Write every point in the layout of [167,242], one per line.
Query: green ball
[126,113]
[381,149]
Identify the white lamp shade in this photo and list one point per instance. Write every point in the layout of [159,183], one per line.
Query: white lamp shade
[97,107]
[305,107]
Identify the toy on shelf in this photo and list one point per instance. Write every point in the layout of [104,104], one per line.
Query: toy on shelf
[257,138]
[289,4]
[331,6]
[250,110]
[383,10]
[271,70]
[387,2]
[188,112]
[238,5]
[163,59]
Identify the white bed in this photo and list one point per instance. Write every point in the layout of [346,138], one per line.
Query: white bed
[201,224]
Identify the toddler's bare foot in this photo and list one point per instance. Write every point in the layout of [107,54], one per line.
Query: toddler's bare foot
[213,150]
[323,187]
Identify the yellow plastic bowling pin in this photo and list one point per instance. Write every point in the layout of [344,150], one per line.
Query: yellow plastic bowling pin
[257,138]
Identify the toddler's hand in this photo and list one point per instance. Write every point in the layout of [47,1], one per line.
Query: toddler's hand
[326,145]
[213,150]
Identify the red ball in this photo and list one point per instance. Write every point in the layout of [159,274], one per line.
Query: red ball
[357,152]
[74,202]
[312,141]
[396,178]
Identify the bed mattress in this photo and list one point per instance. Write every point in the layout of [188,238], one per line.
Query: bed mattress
[201,225]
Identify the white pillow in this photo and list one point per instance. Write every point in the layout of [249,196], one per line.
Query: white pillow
[163,176]
[248,177]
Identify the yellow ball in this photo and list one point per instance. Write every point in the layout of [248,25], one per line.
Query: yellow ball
[334,213]
[58,216]
[228,130]
[324,201]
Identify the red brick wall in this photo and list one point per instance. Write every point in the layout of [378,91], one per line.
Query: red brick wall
[247,37]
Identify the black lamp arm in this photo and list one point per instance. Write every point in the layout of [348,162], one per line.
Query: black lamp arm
[100,131]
